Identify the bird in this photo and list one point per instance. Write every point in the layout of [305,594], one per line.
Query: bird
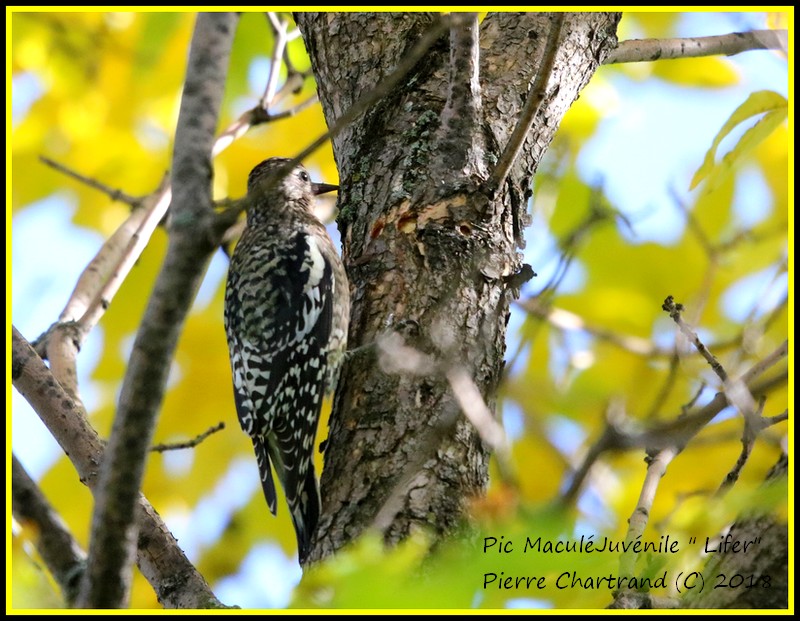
[287,308]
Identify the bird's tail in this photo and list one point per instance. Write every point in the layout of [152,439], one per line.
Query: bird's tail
[305,511]
[265,471]
[300,488]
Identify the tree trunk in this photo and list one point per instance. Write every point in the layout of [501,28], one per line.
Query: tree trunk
[430,251]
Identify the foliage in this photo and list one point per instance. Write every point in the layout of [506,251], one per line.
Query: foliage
[105,90]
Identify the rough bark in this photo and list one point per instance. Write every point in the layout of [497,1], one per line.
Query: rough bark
[430,252]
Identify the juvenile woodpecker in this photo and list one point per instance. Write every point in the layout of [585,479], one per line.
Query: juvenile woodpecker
[287,307]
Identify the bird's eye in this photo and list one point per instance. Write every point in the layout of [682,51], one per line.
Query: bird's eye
[303,175]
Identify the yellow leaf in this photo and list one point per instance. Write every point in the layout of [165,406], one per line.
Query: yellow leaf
[777,20]
[776,108]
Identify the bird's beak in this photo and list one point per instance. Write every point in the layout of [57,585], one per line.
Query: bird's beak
[322,188]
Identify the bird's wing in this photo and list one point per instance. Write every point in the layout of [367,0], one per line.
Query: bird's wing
[279,323]
[278,329]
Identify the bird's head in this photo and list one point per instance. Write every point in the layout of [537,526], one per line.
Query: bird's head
[275,178]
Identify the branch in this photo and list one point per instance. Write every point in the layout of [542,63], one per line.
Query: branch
[114,194]
[160,448]
[104,274]
[645,50]
[621,433]
[536,96]
[99,281]
[656,468]
[97,285]
[123,248]
[459,135]
[736,391]
[749,436]
[675,309]
[163,564]
[283,35]
[260,113]
[55,544]
[112,543]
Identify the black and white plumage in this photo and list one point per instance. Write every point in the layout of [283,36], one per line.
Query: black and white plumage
[287,307]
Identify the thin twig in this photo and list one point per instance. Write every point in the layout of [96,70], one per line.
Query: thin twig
[260,113]
[536,96]
[606,441]
[621,433]
[749,436]
[769,421]
[636,51]
[254,117]
[694,224]
[666,386]
[735,390]
[292,85]
[675,309]
[160,448]
[280,29]
[570,243]
[114,193]
[762,365]
[289,112]
[693,400]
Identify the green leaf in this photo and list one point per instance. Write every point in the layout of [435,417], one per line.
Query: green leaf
[776,108]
